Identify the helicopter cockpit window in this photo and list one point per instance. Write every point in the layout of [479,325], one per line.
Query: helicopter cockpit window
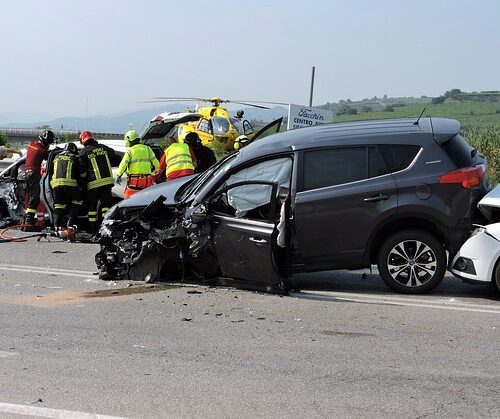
[204,126]
[220,125]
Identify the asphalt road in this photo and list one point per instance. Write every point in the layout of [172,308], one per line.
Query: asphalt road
[74,346]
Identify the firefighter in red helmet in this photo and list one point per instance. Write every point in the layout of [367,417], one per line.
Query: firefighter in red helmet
[96,171]
[37,152]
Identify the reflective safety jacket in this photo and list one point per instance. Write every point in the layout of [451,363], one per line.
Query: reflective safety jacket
[138,160]
[95,159]
[178,157]
[66,170]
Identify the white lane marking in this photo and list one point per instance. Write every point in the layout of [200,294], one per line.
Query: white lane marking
[5,354]
[44,412]
[401,301]
[45,270]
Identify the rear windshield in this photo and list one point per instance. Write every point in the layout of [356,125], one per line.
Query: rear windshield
[460,152]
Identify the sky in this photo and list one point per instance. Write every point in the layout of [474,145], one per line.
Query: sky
[101,57]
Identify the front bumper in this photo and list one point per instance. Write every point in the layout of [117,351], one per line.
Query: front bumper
[476,259]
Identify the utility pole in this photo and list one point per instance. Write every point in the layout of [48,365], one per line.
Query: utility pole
[312,87]
[86,111]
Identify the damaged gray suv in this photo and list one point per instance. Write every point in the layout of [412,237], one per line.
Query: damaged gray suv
[400,194]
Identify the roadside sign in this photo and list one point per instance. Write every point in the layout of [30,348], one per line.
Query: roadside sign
[305,116]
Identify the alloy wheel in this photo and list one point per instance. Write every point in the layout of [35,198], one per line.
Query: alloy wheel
[412,263]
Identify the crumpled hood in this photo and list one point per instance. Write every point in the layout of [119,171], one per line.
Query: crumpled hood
[493,230]
[148,195]
[490,204]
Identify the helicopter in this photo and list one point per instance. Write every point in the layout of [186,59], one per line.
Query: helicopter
[214,125]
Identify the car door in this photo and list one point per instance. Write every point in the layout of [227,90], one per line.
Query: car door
[46,195]
[343,194]
[245,215]
[271,128]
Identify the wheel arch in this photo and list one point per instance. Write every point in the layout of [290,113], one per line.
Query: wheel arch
[399,224]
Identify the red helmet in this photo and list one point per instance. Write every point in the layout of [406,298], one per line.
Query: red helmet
[85,136]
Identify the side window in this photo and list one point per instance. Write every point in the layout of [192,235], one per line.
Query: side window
[398,157]
[204,126]
[252,200]
[376,163]
[247,128]
[322,168]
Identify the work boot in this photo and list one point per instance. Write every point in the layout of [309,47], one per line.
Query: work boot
[29,223]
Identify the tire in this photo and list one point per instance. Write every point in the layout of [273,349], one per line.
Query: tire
[496,275]
[405,273]
[4,211]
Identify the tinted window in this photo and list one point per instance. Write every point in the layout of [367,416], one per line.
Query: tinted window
[459,151]
[398,157]
[376,163]
[334,166]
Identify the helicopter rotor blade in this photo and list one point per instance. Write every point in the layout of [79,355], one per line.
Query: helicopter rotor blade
[249,104]
[169,99]
[261,101]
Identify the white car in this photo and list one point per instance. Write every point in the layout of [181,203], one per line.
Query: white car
[478,260]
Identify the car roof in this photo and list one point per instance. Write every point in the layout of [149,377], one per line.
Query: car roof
[440,129]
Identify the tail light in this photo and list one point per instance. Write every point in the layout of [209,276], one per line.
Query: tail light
[468,177]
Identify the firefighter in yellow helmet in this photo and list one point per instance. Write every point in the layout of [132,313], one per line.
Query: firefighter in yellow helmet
[139,162]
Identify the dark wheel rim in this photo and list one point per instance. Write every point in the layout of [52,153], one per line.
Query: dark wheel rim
[412,263]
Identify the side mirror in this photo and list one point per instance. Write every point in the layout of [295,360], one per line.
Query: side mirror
[199,214]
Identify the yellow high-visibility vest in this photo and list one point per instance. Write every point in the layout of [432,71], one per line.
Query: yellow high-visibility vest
[178,157]
[138,160]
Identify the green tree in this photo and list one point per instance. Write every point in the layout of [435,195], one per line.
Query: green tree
[4,140]
[438,100]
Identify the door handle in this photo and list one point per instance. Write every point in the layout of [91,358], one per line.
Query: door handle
[257,240]
[377,198]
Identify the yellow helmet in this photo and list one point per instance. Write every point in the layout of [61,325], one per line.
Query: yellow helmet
[240,141]
[130,137]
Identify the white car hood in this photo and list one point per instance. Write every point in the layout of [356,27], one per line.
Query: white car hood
[490,204]
[493,230]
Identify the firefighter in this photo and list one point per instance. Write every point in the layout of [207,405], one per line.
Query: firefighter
[138,162]
[65,186]
[95,162]
[37,152]
[204,155]
[177,161]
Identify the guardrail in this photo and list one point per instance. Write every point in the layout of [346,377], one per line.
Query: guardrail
[57,132]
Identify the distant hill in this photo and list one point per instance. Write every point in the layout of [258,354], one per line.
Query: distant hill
[122,122]
[475,107]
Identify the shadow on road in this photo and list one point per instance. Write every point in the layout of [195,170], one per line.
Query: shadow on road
[346,281]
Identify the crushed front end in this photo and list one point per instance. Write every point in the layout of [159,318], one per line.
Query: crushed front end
[153,243]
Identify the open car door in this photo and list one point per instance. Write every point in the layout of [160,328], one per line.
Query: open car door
[271,128]
[244,217]
[247,215]
[46,195]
